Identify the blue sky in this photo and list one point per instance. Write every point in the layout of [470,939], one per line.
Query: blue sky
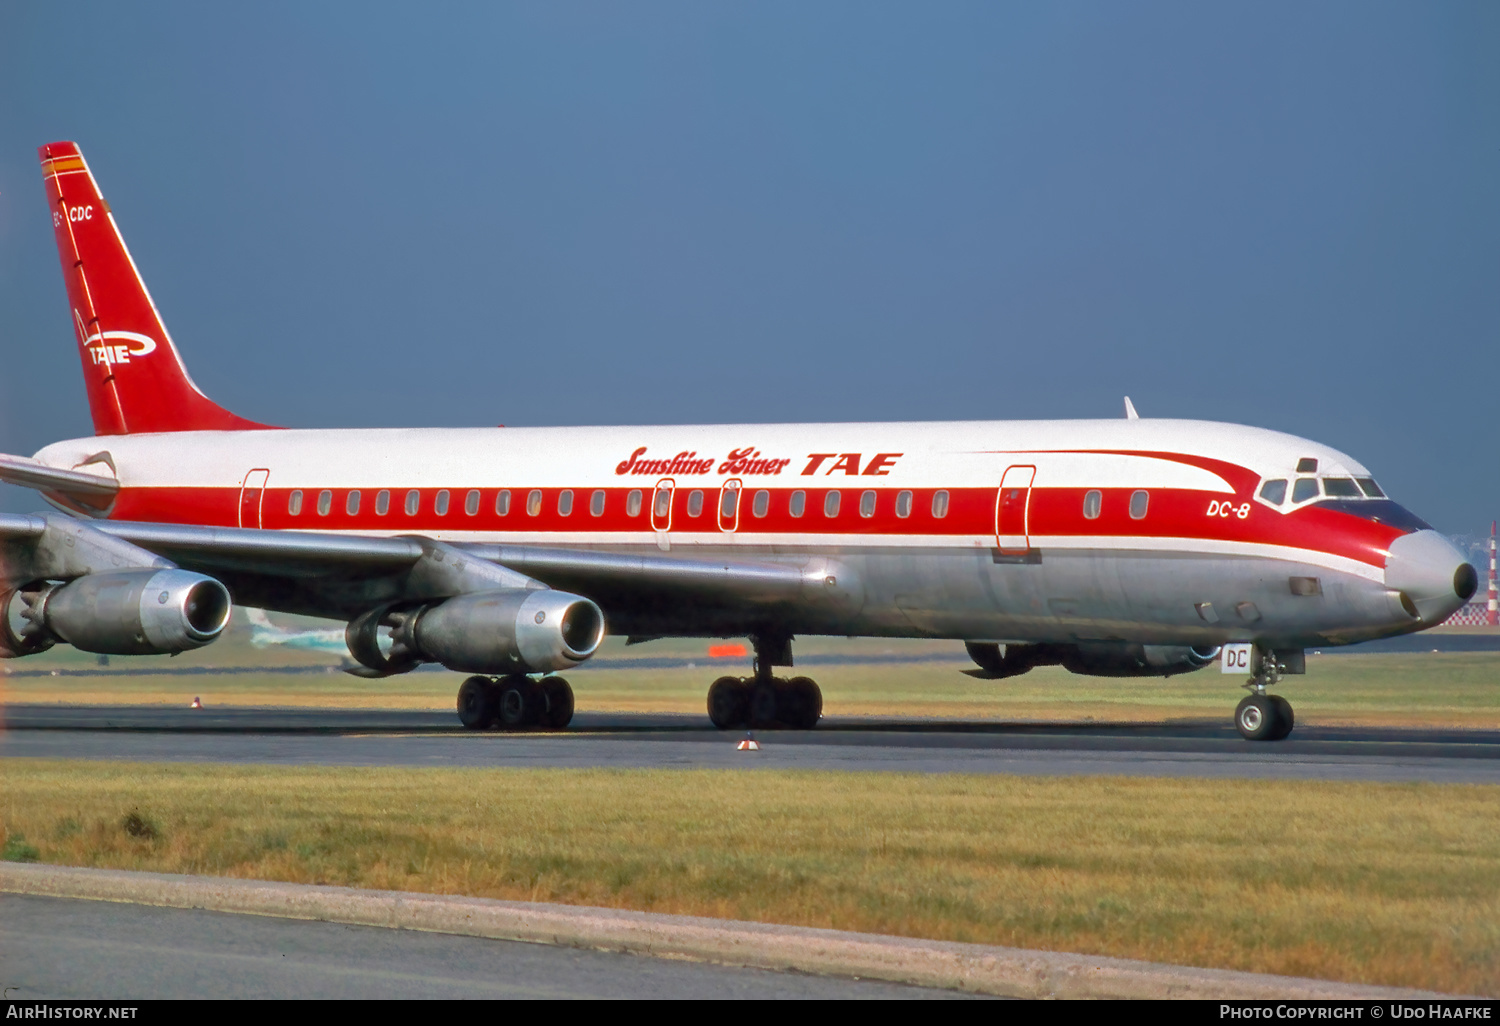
[1279,214]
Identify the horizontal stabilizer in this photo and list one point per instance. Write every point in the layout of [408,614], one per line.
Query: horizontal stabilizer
[92,490]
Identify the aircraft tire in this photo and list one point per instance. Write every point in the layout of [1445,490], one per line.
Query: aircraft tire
[557,697]
[521,703]
[728,703]
[799,703]
[763,704]
[476,703]
[1285,718]
[1257,718]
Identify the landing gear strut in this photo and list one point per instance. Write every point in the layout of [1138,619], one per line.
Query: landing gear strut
[515,703]
[1259,716]
[765,701]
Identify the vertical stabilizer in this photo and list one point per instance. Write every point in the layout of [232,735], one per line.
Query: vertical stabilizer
[135,378]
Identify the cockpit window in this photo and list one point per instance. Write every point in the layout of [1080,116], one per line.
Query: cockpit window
[1274,492]
[1305,488]
[1369,487]
[1340,488]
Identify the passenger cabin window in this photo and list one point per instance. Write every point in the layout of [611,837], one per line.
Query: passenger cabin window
[798,504]
[1340,488]
[471,502]
[1139,500]
[831,503]
[351,503]
[867,504]
[294,502]
[728,500]
[695,503]
[762,503]
[382,502]
[596,502]
[1305,488]
[662,504]
[502,503]
[565,502]
[1093,502]
[441,505]
[903,504]
[1274,492]
[534,502]
[633,503]
[1369,487]
[940,504]
[325,502]
[413,502]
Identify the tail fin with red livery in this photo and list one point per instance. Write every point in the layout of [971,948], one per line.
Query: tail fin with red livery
[135,378]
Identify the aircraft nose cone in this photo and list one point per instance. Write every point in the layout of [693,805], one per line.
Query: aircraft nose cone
[1427,569]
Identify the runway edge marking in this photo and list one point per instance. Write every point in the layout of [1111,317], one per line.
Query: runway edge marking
[1012,972]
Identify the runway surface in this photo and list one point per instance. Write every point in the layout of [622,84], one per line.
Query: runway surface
[337,737]
[65,948]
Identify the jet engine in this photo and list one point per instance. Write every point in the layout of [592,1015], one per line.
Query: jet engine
[121,612]
[1094,659]
[1119,659]
[510,630]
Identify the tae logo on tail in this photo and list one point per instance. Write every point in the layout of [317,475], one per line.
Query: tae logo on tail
[113,354]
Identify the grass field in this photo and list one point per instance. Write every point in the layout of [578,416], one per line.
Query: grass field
[1459,690]
[1393,884]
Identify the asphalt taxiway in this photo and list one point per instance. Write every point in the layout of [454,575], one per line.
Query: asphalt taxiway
[343,737]
[67,948]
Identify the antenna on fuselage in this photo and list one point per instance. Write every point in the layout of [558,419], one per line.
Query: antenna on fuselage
[1130,413]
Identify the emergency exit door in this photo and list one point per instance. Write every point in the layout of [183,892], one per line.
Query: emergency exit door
[1013,511]
[252,497]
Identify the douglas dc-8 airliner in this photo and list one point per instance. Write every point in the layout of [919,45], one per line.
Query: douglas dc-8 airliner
[1126,547]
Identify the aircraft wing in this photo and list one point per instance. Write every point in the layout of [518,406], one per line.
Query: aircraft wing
[342,575]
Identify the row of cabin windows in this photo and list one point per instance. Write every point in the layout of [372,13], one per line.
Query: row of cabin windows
[760,506]
[1093,504]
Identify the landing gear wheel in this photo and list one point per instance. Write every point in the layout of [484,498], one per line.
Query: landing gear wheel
[557,701]
[799,703]
[1284,718]
[728,703]
[521,703]
[1257,718]
[763,704]
[477,702]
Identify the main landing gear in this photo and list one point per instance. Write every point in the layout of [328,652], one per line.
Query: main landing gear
[764,701]
[1263,717]
[515,703]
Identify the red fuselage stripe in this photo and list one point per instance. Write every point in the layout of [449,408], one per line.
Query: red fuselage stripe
[1052,512]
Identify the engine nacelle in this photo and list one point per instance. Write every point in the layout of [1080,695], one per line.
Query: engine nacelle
[1095,659]
[1120,659]
[509,630]
[127,612]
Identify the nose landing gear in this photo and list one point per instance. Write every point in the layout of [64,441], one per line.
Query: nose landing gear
[515,703]
[764,701]
[1263,717]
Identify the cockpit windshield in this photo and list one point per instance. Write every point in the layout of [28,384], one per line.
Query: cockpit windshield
[1305,488]
[1309,489]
